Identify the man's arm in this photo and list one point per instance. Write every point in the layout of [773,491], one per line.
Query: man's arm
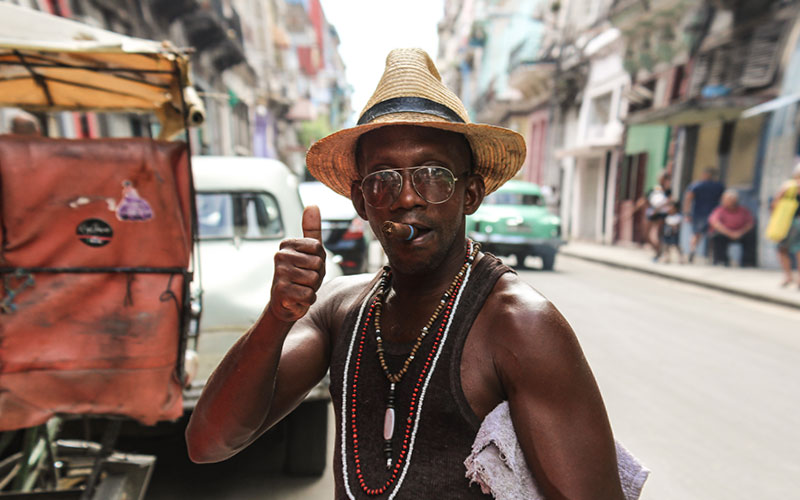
[716,224]
[746,228]
[688,200]
[275,364]
[556,406]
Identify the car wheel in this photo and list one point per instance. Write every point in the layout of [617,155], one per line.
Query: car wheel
[521,259]
[548,260]
[307,449]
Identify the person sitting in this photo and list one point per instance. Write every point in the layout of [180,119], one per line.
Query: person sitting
[730,223]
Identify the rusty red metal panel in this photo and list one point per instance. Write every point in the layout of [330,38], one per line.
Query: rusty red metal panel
[101,342]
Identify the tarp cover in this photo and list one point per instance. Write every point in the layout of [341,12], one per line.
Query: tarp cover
[92,342]
[49,63]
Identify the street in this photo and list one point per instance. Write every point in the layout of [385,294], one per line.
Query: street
[699,385]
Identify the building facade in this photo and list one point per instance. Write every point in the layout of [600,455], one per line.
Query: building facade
[268,72]
[697,69]
[610,94]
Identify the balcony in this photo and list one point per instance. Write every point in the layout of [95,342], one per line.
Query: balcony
[218,32]
[170,10]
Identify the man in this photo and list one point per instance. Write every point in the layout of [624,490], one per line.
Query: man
[420,354]
[700,200]
[731,223]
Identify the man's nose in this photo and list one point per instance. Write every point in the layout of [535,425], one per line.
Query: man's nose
[408,197]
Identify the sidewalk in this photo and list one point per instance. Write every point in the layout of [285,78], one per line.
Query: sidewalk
[759,284]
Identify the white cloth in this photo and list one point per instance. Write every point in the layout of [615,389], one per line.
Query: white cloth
[498,466]
[658,199]
[673,220]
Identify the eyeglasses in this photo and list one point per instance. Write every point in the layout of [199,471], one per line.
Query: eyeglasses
[433,183]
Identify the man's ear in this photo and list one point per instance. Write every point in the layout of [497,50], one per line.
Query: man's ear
[473,197]
[357,197]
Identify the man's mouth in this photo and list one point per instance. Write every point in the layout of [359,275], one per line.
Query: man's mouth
[419,232]
[405,231]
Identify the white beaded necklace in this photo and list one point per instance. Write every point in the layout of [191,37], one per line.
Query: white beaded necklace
[346,389]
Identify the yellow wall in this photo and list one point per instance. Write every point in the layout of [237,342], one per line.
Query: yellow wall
[742,163]
[707,148]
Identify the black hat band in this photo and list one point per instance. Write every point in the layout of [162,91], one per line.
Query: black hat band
[409,105]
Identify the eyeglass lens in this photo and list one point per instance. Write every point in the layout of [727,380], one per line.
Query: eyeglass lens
[433,184]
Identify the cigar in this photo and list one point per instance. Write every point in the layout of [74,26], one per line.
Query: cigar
[397,230]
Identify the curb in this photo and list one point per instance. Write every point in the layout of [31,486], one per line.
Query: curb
[684,279]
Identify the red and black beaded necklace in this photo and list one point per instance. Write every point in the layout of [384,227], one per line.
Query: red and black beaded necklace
[443,313]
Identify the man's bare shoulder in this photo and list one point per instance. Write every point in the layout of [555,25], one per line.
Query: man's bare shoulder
[338,296]
[527,329]
[517,303]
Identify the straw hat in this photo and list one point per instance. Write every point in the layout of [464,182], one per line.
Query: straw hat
[411,92]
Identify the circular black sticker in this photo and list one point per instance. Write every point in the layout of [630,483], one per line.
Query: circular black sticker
[94,232]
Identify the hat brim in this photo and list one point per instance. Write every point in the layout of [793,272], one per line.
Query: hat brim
[498,153]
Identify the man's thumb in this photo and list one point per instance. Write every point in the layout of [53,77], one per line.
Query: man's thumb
[311,223]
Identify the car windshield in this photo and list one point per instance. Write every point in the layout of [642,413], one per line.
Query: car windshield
[332,205]
[513,198]
[238,214]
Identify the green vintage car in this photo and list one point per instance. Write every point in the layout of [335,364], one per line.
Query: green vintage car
[515,221]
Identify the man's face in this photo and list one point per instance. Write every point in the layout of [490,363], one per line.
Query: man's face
[730,200]
[440,225]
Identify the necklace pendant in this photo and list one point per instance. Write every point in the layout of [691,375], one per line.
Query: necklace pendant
[388,424]
[388,427]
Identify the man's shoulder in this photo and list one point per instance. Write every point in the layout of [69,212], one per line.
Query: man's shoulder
[513,295]
[523,328]
[705,184]
[522,313]
[342,292]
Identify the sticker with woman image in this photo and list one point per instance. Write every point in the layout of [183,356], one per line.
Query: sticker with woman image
[132,207]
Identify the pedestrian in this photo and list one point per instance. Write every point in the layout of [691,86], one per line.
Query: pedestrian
[422,352]
[701,198]
[656,202]
[730,223]
[671,233]
[788,197]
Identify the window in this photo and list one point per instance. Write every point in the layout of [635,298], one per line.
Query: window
[240,215]
[599,115]
[509,198]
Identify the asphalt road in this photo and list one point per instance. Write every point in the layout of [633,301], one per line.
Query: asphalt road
[701,386]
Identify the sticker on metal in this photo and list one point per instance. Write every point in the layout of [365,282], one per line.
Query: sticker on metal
[94,232]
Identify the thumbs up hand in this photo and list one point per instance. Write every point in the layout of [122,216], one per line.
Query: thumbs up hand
[312,225]
[299,269]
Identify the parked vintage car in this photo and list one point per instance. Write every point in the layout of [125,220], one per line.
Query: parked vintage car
[344,233]
[246,206]
[515,221]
